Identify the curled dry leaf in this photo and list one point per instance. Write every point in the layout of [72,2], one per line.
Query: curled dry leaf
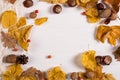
[31,74]
[40,21]
[8,41]
[56,74]
[112,33]
[8,19]
[13,72]
[113,4]
[116,53]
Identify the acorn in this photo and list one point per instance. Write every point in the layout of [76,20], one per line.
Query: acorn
[32,15]
[21,59]
[10,59]
[28,3]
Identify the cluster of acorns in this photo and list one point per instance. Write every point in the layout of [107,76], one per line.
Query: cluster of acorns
[58,8]
[106,12]
[21,59]
[103,60]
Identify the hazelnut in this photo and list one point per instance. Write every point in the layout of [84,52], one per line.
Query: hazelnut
[57,9]
[105,13]
[32,15]
[90,74]
[28,3]
[107,60]
[71,3]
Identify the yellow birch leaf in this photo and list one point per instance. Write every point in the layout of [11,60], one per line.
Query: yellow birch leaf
[23,35]
[13,72]
[56,74]
[40,21]
[88,60]
[21,22]
[8,19]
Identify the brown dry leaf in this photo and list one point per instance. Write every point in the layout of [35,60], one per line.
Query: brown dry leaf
[8,19]
[13,72]
[116,53]
[114,4]
[31,74]
[40,21]
[112,33]
[8,41]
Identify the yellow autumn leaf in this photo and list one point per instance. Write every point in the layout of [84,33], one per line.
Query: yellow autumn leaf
[21,22]
[112,33]
[40,21]
[56,74]
[92,15]
[92,12]
[88,60]
[13,72]
[83,3]
[23,35]
[93,19]
[8,19]
[107,77]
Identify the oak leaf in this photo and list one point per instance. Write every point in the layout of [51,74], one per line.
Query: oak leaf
[13,72]
[8,41]
[113,4]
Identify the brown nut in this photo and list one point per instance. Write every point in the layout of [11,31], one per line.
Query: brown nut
[107,60]
[10,59]
[71,3]
[105,13]
[57,9]
[99,59]
[32,15]
[90,74]
[28,3]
